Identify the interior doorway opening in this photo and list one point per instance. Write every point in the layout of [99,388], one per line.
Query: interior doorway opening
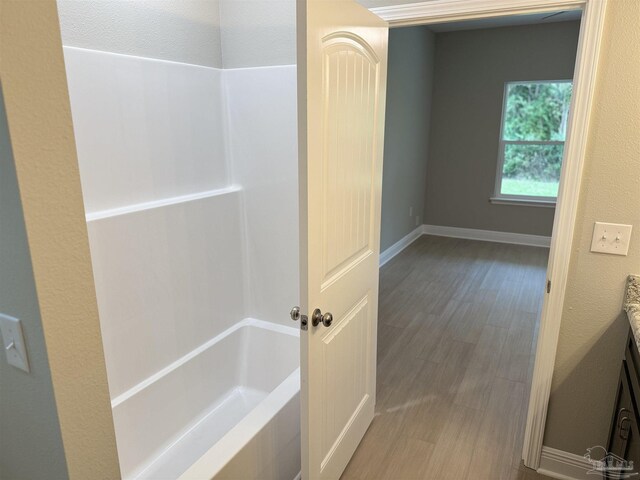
[477,115]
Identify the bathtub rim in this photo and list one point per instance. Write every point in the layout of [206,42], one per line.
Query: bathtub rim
[223,451]
[247,322]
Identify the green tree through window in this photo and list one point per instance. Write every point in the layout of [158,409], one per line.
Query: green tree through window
[534,127]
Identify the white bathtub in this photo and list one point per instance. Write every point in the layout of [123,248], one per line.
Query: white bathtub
[229,410]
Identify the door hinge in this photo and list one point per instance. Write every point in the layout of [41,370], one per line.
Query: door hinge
[548,286]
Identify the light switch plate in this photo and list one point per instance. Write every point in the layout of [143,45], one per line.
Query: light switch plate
[13,341]
[612,238]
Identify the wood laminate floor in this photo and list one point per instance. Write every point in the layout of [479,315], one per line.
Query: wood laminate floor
[457,329]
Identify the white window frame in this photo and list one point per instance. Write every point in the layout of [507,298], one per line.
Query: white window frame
[533,200]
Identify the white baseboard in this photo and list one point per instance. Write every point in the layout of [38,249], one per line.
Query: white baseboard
[401,244]
[487,235]
[564,465]
[466,233]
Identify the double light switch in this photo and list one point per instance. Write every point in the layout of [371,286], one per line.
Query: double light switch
[612,238]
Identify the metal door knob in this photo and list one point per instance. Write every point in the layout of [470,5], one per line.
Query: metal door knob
[318,317]
[327,319]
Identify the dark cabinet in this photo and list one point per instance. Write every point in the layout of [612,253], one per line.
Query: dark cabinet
[624,436]
[624,422]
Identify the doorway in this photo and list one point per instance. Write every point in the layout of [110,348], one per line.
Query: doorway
[474,134]
[560,244]
[323,33]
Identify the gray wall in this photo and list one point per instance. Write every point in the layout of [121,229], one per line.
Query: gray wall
[213,33]
[30,441]
[471,68]
[409,84]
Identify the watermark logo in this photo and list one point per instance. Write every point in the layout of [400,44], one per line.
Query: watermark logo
[609,465]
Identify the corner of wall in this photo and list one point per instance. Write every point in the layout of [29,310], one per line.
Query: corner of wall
[38,113]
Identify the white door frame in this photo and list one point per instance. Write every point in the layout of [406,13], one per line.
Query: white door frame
[438,11]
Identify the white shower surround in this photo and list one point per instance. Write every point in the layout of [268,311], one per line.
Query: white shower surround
[189,176]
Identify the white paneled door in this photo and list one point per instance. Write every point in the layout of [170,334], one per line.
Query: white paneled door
[342,82]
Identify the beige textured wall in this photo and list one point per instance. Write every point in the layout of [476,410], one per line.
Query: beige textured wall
[593,329]
[39,119]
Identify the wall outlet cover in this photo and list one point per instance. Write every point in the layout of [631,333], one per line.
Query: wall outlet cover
[13,342]
[611,238]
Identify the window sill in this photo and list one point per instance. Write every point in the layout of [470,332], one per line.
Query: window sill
[523,202]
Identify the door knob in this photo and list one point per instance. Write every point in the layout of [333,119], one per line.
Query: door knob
[318,317]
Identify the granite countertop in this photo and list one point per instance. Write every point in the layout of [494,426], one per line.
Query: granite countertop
[632,305]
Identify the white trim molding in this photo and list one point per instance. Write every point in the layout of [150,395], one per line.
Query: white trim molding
[564,465]
[522,202]
[438,11]
[400,245]
[487,235]
[584,79]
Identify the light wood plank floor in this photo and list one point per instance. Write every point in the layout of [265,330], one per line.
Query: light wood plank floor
[456,337]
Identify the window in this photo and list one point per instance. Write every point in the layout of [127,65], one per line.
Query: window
[534,128]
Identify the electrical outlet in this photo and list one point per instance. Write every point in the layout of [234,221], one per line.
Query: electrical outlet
[611,238]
